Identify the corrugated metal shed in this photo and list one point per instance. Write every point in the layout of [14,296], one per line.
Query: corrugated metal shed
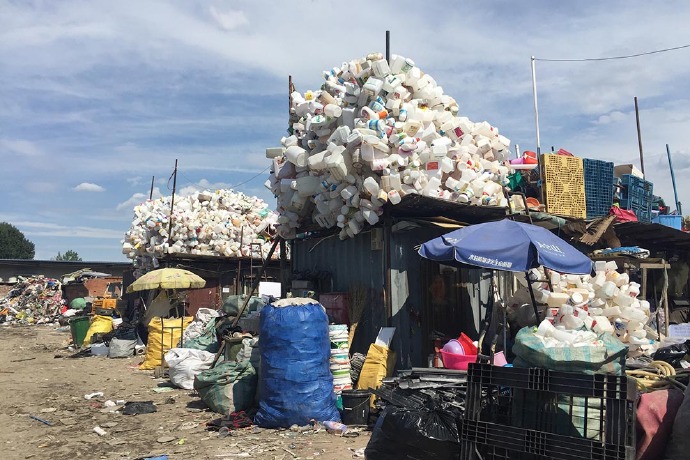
[340,265]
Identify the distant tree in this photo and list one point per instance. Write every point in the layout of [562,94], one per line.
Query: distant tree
[13,243]
[69,256]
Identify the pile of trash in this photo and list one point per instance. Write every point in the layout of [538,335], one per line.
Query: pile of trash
[372,134]
[582,307]
[221,223]
[33,300]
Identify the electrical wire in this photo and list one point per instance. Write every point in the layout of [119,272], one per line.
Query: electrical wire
[611,58]
[252,178]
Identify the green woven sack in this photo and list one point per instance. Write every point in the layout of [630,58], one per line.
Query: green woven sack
[207,341]
[608,358]
[228,387]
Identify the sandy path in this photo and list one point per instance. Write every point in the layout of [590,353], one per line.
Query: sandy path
[36,382]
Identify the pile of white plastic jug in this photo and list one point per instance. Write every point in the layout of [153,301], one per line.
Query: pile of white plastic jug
[372,134]
[580,307]
[220,223]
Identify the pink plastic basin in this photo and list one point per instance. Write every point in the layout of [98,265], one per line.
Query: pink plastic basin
[459,362]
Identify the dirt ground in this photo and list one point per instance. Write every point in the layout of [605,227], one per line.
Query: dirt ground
[39,379]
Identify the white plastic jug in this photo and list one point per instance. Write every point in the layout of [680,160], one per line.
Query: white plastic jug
[296,155]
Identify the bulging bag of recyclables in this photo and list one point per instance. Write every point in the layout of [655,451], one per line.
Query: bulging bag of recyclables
[607,356]
[296,384]
[229,387]
[185,364]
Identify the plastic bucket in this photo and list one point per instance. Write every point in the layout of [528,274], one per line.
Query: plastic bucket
[341,373]
[356,407]
[78,327]
[340,354]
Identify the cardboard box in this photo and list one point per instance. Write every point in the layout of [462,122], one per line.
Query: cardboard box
[622,170]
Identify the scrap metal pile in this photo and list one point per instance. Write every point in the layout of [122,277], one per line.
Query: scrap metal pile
[33,300]
[372,134]
[221,223]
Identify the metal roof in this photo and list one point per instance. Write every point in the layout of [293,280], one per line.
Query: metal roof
[419,206]
[655,236]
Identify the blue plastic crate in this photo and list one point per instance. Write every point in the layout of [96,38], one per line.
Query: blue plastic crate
[599,190]
[670,220]
[644,216]
[633,185]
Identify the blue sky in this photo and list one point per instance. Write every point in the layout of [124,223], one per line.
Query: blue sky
[96,97]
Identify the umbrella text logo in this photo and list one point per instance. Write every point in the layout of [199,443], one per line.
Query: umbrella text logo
[489,261]
[550,247]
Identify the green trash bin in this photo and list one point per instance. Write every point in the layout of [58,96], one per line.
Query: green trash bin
[79,327]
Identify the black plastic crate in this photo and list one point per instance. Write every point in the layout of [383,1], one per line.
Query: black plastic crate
[598,187]
[495,441]
[585,410]
[576,384]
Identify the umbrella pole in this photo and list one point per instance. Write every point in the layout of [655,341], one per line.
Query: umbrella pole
[531,295]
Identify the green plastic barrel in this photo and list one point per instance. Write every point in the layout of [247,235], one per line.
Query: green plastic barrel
[79,327]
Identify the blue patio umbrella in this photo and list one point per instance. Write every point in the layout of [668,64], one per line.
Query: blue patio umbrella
[507,245]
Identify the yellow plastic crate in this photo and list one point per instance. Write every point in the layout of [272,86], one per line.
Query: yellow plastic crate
[564,185]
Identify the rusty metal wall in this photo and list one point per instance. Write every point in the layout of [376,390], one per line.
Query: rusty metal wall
[353,261]
[340,265]
[206,297]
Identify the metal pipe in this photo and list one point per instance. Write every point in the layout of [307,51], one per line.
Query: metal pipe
[172,202]
[283,269]
[388,46]
[289,94]
[673,180]
[151,191]
[536,106]
[639,135]
[531,295]
[387,288]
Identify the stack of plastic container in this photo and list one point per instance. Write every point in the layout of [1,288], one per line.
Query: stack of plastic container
[598,187]
[636,194]
[219,223]
[580,307]
[375,132]
[340,358]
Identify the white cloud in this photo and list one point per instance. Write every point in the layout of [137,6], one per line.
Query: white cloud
[40,187]
[612,117]
[19,147]
[32,228]
[228,20]
[137,199]
[88,187]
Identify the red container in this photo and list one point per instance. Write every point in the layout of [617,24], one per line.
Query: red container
[337,305]
[459,362]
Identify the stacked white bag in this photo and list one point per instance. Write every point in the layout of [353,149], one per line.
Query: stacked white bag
[372,134]
[221,223]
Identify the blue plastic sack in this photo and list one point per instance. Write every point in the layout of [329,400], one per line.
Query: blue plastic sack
[295,383]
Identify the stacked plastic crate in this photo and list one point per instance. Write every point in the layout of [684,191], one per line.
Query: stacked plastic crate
[598,187]
[538,414]
[564,185]
[636,195]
